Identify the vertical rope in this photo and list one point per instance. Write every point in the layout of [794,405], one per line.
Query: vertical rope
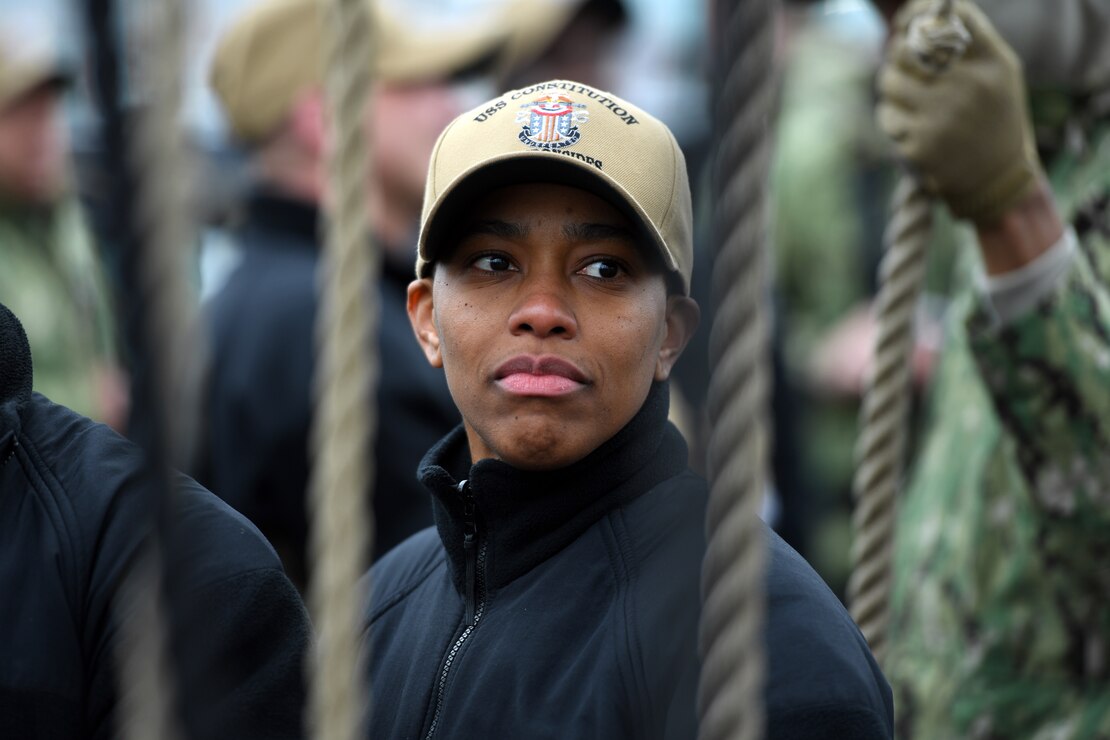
[155,304]
[884,416]
[936,38]
[346,372]
[730,694]
[148,690]
[162,213]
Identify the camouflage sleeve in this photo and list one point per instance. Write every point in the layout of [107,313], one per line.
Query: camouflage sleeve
[1048,374]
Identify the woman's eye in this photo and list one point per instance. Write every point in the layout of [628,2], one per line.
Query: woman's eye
[493,263]
[605,269]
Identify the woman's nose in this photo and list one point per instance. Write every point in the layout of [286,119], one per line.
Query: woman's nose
[544,311]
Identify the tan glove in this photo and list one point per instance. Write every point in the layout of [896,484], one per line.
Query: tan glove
[965,130]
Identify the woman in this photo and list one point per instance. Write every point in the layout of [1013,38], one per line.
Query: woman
[557,595]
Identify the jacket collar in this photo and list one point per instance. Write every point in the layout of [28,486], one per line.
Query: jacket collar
[525,517]
[296,221]
[271,217]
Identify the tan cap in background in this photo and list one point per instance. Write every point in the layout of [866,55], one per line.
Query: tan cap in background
[275,51]
[22,73]
[567,133]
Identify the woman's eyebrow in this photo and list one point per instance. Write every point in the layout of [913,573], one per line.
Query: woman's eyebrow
[575,232]
[592,232]
[494,227]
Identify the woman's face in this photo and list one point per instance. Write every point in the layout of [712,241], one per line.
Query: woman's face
[551,322]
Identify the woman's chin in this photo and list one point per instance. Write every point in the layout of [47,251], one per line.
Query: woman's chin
[538,447]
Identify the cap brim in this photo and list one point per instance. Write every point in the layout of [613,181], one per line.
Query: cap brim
[408,55]
[35,77]
[519,168]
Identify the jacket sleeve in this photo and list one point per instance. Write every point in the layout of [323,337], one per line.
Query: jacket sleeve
[1048,375]
[240,651]
[238,631]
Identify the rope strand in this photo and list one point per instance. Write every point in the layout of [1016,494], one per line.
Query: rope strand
[937,39]
[157,304]
[346,373]
[730,693]
[884,415]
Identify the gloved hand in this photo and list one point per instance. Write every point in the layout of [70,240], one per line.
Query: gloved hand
[965,130]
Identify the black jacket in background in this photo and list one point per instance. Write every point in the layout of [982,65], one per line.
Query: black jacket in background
[259,387]
[564,604]
[72,526]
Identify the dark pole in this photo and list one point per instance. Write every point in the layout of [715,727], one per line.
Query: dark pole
[146,686]
[119,230]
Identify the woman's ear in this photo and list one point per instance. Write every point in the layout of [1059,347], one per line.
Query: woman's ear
[682,321]
[422,316]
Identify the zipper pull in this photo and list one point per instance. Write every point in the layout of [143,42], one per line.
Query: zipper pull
[470,551]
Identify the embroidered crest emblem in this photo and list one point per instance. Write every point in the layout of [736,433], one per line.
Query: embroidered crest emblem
[551,123]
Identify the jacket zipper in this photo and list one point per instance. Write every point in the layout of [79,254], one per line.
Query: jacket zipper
[470,541]
[474,596]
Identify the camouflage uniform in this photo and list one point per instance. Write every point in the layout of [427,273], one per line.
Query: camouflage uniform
[1001,621]
[51,279]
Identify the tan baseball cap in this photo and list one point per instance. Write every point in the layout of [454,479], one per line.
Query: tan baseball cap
[20,75]
[571,134]
[275,51]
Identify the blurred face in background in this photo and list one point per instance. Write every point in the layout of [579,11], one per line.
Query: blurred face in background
[582,49]
[404,122]
[579,53]
[32,148]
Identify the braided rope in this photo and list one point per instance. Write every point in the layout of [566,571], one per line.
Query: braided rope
[158,306]
[885,413]
[936,39]
[345,375]
[730,640]
[146,699]
[162,213]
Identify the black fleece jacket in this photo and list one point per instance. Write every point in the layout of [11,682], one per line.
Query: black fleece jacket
[72,525]
[564,604]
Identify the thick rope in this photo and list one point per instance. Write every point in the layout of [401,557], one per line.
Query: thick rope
[158,303]
[884,419]
[146,699]
[163,212]
[346,372]
[730,641]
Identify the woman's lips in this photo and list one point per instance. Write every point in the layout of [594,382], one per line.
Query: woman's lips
[526,384]
[539,376]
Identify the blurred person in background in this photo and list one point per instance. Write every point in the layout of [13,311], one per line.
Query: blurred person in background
[50,270]
[268,75]
[1000,623]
